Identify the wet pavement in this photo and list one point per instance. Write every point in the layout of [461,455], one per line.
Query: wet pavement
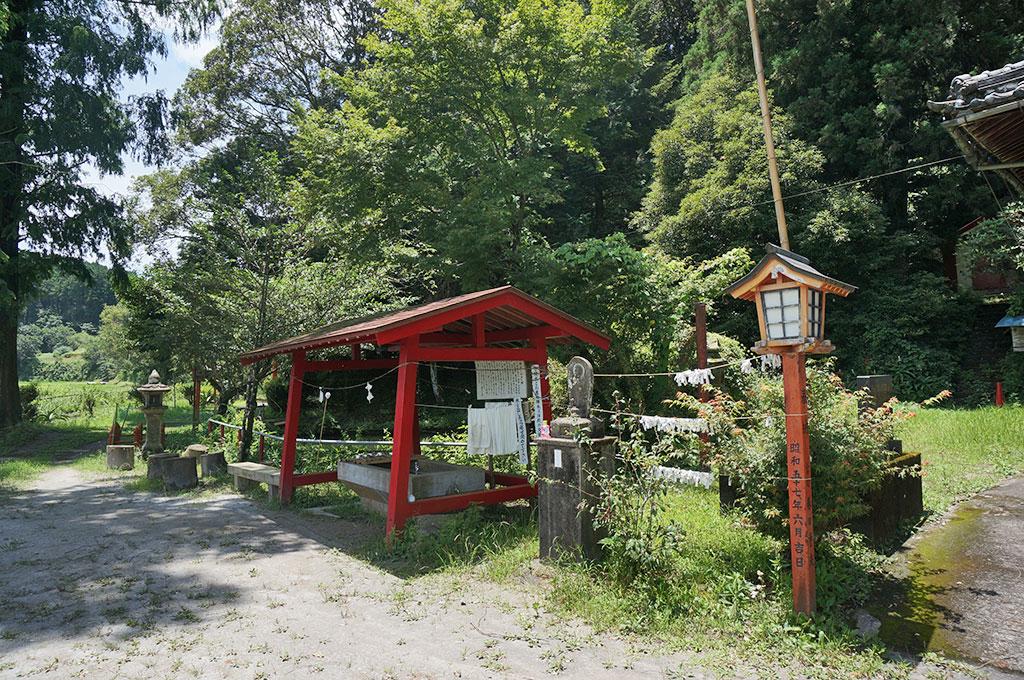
[964,580]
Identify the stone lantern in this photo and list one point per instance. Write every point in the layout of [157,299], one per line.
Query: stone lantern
[153,407]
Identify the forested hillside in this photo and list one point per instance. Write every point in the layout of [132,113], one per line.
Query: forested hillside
[337,157]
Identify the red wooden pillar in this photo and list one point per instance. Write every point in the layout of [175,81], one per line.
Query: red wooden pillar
[404,433]
[291,425]
[263,448]
[999,394]
[798,466]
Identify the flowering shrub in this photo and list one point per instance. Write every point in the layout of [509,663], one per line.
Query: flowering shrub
[848,448]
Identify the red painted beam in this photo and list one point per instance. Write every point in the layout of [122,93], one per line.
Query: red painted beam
[478,330]
[509,335]
[480,354]
[461,501]
[315,478]
[350,364]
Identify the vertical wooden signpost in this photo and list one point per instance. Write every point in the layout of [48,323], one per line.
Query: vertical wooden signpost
[791,329]
[798,467]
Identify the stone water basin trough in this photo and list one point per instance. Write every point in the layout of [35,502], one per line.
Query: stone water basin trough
[370,478]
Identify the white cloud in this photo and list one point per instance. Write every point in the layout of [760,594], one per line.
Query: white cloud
[191,54]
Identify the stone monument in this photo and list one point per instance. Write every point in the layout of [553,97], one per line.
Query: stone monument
[153,408]
[570,464]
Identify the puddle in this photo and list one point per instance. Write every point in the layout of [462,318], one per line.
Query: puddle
[920,617]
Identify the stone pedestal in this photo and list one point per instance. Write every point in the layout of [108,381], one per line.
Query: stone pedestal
[120,456]
[154,425]
[879,389]
[212,464]
[567,475]
[155,465]
[195,451]
[179,473]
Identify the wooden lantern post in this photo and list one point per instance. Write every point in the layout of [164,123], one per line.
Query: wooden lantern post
[790,298]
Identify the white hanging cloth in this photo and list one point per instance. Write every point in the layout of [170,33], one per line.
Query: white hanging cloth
[662,424]
[770,361]
[498,429]
[696,376]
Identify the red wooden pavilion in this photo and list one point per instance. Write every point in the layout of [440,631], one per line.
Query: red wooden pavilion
[500,324]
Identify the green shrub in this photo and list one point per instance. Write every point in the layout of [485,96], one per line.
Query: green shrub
[640,546]
[848,449]
[29,408]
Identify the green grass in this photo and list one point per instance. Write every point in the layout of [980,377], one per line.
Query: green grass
[964,451]
[728,599]
[73,415]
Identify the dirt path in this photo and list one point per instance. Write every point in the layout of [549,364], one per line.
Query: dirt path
[100,582]
[966,597]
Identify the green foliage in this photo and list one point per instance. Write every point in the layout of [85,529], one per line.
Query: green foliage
[29,395]
[272,62]
[849,449]
[847,570]
[642,299]
[76,301]
[62,66]
[640,547]
[964,451]
[518,83]
[503,538]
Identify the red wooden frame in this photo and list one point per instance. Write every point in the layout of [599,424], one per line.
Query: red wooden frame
[417,341]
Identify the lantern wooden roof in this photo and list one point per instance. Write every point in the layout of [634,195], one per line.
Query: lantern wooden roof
[780,262]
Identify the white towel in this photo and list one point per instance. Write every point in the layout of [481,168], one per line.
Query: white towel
[494,430]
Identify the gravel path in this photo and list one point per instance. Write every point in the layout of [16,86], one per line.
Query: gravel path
[101,582]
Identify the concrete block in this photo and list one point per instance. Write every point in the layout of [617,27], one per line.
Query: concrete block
[212,464]
[155,464]
[121,456]
[179,472]
[567,476]
[195,451]
[429,479]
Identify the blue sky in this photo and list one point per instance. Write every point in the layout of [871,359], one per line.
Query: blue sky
[169,74]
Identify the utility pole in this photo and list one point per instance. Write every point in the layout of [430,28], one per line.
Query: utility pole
[766,119]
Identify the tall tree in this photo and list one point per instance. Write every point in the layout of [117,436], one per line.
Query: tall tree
[271,64]
[61,66]
[450,138]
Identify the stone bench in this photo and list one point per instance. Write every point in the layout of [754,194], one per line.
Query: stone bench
[248,475]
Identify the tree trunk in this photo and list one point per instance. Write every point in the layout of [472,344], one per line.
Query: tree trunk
[13,57]
[249,416]
[253,376]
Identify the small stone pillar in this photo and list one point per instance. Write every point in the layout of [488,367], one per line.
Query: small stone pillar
[153,408]
[179,473]
[213,464]
[569,464]
[120,456]
[879,389]
[155,465]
